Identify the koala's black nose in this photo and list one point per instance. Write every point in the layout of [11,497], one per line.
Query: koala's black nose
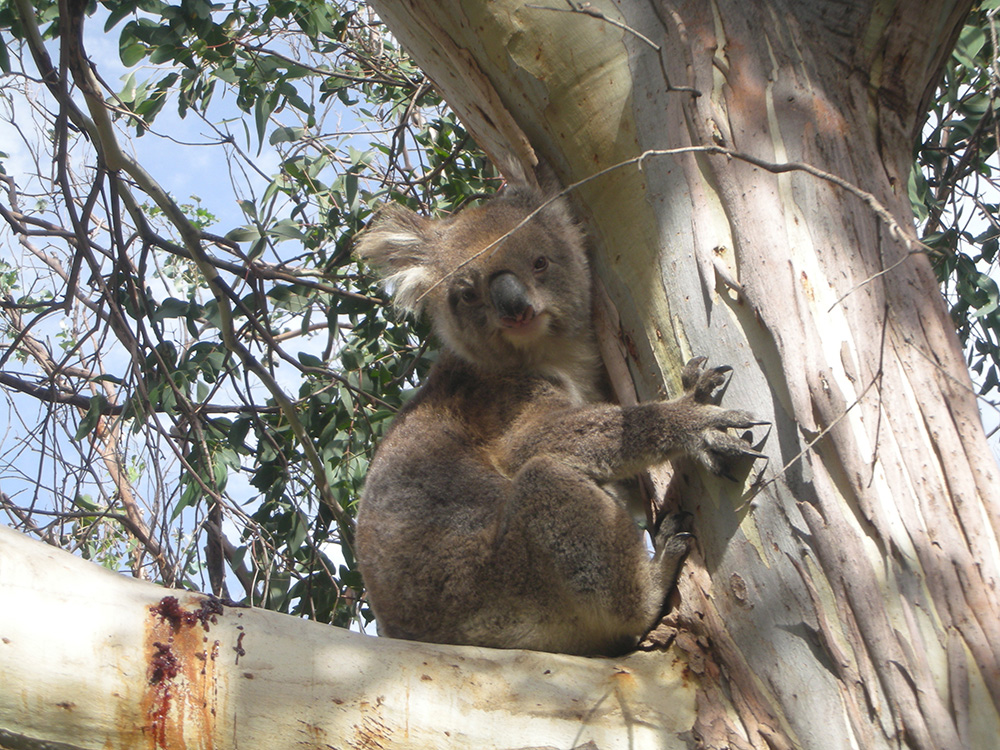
[510,297]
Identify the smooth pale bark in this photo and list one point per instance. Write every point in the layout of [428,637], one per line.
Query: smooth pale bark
[90,659]
[854,599]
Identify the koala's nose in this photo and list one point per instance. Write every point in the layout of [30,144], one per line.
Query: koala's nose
[510,298]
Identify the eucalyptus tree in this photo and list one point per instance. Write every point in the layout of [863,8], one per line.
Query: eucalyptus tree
[193,398]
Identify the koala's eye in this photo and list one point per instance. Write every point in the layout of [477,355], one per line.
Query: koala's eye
[541,263]
[469,295]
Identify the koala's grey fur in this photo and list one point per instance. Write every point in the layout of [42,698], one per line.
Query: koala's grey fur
[485,517]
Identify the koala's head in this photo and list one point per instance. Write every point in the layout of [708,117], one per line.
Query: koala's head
[498,294]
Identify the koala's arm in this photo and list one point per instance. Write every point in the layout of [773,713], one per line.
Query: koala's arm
[608,442]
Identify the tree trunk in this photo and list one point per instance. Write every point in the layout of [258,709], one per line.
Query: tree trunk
[850,594]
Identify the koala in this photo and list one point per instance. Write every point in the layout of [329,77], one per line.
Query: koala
[488,515]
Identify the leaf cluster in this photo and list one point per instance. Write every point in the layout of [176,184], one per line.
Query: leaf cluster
[247,368]
[956,196]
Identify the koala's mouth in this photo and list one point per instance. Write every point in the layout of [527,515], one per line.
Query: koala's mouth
[527,325]
[521,320]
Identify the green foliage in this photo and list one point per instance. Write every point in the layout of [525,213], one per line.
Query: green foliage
[954,192]
[222,465]
[8,278]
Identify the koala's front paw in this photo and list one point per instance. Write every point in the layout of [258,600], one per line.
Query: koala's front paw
[714,446]
[700,384]
[672,537]
[711,444]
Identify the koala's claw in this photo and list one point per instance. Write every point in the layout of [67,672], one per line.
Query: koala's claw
[692,371]
[719,450]
[672,544]
[670,527]
[700,383]
[739,419]
[678,545]
[722,451]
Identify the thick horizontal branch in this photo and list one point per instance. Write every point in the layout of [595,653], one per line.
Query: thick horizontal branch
[152,666]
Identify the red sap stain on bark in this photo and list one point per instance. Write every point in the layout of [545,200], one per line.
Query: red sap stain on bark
[181,697]
[170,610]
[163,664]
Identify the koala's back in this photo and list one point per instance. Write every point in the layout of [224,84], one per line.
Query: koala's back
[486,517]
[444,552]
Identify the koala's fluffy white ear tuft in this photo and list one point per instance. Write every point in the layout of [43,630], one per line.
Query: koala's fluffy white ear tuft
[396,244]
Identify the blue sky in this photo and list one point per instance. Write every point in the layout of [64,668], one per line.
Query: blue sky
[184,170]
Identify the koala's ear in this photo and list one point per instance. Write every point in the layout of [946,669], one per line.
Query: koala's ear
[557,209]
[557,214]
[398,244]
[545,176]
